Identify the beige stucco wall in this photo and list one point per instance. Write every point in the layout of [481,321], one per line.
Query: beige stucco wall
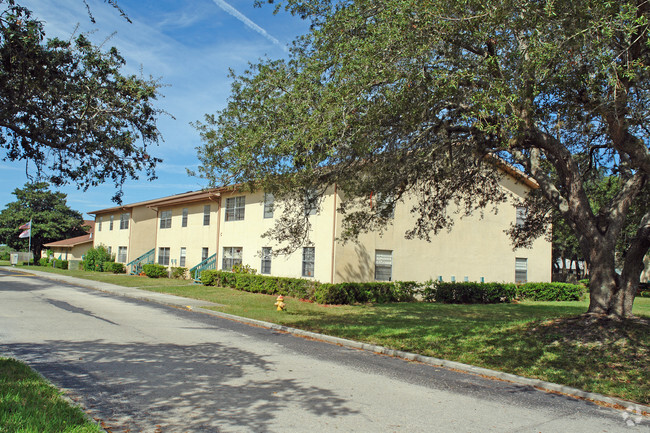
[193,238]
[139,238]
[248,235]
[475,248]
[71,253]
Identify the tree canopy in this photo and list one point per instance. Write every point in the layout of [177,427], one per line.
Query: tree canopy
[406,96]
[52,219]
[67,110]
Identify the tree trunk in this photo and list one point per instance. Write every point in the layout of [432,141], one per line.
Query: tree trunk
[632,268]
[602,279]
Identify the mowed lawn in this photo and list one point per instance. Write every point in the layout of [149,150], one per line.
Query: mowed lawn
[545,340]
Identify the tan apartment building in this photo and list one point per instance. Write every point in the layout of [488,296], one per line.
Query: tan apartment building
[224,226]
[73,248]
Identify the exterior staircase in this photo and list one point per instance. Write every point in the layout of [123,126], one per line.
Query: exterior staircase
[208,264]
[135,266]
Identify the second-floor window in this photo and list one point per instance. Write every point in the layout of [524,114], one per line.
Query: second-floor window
[268,205]
[99,228]
[235,208]
[110,225]
[184,219]
[165,219]
[124,221]
[206,215]
[521,216]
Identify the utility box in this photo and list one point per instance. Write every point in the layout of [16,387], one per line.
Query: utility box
[14,258]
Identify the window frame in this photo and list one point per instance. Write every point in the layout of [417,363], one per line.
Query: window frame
[379,267]
[124,220]
[163,256]
[110,226]
[265,265]
[308,261]
[205,253]
[165,219]
[235,208]
[269,203]
[182,258]
[521,213]
[519,269]
[99,228]
[232,256]
[184,217]
[206,215]
[122,254]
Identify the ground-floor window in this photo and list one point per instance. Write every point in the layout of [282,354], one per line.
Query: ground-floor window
[521,270]
[121,254]
[383,265]
[163,256]
[204,253]
[308,259]
[265,267]
[181,261]
[231,257]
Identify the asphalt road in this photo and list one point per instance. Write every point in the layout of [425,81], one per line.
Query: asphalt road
[141,366]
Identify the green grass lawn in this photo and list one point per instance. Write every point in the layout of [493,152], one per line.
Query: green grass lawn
[29,404]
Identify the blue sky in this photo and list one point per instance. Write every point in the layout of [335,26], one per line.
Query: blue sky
[190,46]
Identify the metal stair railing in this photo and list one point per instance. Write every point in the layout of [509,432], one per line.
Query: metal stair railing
[208,264]
[145,259]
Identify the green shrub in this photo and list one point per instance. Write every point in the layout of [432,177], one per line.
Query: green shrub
[473,293]
[296,287]
[644,294]
[42,261]
[153,270]
[179,273]
[584,282]
[332,294]
[95,258]
[551,291]
[4,255]
[61,264]
[243,269]
[116,268]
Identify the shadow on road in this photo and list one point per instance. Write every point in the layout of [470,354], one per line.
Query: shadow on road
[203,387]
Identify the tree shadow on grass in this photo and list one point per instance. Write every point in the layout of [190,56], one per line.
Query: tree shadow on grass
[203,387]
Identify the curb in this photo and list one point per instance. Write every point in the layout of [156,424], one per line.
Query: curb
[541,385]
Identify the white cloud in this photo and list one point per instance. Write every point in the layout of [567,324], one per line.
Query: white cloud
[247,22]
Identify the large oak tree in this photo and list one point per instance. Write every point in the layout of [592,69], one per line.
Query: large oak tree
[68,111]
[430,97]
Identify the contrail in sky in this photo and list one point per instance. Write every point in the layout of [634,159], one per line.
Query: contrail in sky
[250,24]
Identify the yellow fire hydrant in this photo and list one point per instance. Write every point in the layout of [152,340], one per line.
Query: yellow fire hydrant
[280,303]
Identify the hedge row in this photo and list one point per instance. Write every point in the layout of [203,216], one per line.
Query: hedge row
[400,291]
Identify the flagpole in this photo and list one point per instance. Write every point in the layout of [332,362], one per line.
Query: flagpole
[30,240]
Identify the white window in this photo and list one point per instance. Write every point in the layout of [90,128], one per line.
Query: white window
[521,216]
[521,270]
[383,265]
[124,221]
[204,253]
[121,254]
[109,250]
[163,256]
[235,208]
[99,229]
[110,226]
[231,257]
[184,220]
[166,219]
[308,257]
[181,261]
[384,205]
[265,268]
[268,205]
[206,215]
